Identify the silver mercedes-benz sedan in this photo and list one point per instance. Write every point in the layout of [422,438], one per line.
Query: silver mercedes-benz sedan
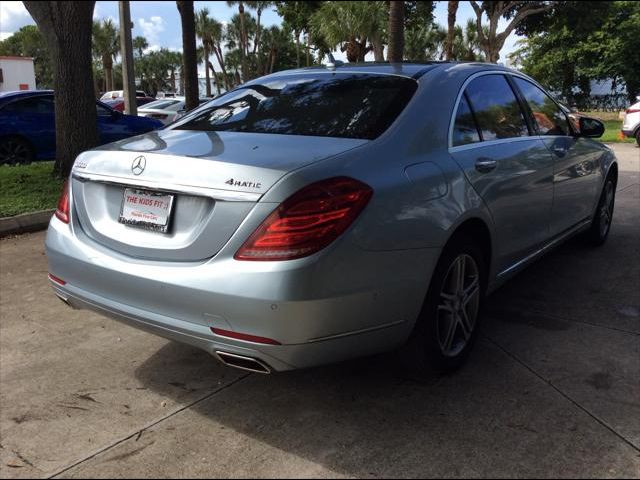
[319,214]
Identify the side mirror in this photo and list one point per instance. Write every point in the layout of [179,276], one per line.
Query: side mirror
[590,127]
[116,115]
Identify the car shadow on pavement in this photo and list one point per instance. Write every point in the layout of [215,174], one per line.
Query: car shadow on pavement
[495,416]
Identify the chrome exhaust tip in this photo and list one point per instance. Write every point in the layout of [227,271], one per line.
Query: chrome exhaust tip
[243,363]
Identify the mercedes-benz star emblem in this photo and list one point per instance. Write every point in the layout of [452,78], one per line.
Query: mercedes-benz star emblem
[138,165]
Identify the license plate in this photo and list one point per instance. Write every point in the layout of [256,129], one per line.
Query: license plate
[145,209]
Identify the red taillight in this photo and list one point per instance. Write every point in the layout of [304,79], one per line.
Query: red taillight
[632,110]
[62,211]
[307,221]
[244,336]
[58,280]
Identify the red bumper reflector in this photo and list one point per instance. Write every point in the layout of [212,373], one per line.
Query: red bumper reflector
[53,278]
[244,336]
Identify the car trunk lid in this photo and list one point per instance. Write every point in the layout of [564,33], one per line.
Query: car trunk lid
[214,178]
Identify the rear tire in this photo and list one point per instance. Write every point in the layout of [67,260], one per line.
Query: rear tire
[638,137]
[16,150]
[447,326]
[601,224]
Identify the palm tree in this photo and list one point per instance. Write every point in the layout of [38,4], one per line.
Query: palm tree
[396,31]
[259,7]
[243,34]
[203,30]
[106,45]
[140,44]
[425,42]
[452,9]
[217,34]
[349,25]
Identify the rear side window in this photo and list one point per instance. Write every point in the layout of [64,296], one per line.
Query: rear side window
[328,105]
[465,130]
[496,108]
[549,118]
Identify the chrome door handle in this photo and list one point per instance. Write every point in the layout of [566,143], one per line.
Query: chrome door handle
[484,165]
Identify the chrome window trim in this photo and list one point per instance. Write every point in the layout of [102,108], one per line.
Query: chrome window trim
[213,193]
[452,120]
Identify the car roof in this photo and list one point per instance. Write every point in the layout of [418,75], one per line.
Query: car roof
[24,93]
[406,69]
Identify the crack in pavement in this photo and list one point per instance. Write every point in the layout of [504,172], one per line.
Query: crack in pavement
[138,432]
[566,396]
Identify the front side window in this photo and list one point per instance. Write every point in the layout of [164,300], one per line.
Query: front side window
[348,105]
[496,108]
[549,118]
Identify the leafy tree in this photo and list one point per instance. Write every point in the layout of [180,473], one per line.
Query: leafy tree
[297,17]
[515,12]
[29,42]
[66,28]
[568,49]
[106,45]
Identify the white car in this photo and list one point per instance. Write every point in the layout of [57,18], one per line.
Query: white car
[631,122]
[120,94]
[167,110]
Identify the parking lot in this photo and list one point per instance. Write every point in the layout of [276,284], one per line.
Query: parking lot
[552,388]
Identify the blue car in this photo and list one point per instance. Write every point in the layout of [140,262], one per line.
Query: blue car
[28,131]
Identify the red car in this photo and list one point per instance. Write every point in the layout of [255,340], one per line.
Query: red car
[118,103]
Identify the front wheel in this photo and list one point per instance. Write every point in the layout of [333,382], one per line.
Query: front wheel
[601,223]
[448,323]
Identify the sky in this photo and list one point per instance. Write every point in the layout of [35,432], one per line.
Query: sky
[159,21]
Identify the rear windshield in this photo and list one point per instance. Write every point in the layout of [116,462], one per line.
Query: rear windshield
[337,105]
[161,104]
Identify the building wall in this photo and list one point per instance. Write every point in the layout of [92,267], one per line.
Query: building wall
[17,74]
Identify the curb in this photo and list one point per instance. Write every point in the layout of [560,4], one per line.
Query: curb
[25,223]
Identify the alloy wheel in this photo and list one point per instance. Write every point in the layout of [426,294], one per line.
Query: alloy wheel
[606,209]
[458,305]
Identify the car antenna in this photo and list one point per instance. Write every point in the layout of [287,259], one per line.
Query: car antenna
[333,63]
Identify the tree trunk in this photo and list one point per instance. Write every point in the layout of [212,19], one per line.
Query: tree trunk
[297,34]
[308,50]
[107,63]
[189,56]
[225,78]
[396,32]
[206,69]
[452,10]
[215,76]
[66,27]
[243,41]
[378,48]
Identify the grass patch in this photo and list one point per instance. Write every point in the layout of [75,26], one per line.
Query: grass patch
[28,188]
[612,133]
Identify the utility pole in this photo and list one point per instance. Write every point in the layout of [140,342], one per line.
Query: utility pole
[126,47]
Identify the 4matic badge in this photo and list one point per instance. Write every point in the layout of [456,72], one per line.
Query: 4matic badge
[239,183]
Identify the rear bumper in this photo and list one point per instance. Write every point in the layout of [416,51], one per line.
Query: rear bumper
[182,302]
[628,132]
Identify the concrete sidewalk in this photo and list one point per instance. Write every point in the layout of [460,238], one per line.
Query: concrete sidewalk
[551,390]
